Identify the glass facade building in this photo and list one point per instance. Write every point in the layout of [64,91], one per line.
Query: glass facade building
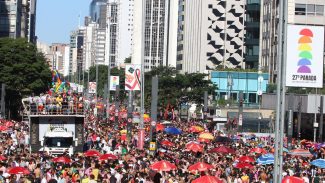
[252,28]
[231,83]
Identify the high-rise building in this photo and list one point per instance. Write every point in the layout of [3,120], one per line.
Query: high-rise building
[98,11]
[210,35]
[155,37]
[17,19]
[125,30]
[303,12]
[58,50]
[252,33]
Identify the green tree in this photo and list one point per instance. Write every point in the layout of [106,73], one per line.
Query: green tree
[173,86]
[24,71]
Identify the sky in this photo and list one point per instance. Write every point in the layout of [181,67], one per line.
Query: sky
[55,19]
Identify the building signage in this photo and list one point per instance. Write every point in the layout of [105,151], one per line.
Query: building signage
[305,45]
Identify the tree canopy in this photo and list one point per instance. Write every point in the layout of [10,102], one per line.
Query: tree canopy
[24,71]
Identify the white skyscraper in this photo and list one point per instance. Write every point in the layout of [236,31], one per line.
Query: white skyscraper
[159,33]
[125,24]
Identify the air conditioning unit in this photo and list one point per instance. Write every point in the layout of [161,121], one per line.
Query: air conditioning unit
[218,112]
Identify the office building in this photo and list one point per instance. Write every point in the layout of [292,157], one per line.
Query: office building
[252,34]
[303,12]
[210,35]
[58,50]
[17,19]
[125,30]
[159,23]
[98,11]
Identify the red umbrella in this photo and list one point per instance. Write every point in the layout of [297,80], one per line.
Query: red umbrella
[207,179]
[258,150]
[107,157]
[3,128]
[243,165]
[203,140]
[222,149]
[92,153]
[167,143]
[292,179]
[163,166]
[194,147]
[61,159]
[9,124]
[246,159]
[18,170]
[160,127]
[200,166]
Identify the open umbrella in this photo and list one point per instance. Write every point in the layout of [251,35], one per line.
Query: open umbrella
[300,152]
[207,179]
[173,131]
[246,159]
[206,136]
[61,159]
[258,150]
[192,146]
[2,158]
[292,179]
[167,143]
[18,170]
[3,128]
[222,149]
[243,165]
[107,157]
[319,163]
[163,166]
[203,140]
[200,166]
[160,127]
[9,124]
[196,129]
[92,153]
[266,159]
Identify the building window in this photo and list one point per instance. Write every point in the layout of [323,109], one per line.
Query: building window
[300,9]
[319,10]
[310,9]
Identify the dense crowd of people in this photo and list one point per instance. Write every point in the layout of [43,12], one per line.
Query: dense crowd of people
[131,165]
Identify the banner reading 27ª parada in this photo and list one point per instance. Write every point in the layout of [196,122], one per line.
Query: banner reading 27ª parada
[132,77]
[305,46]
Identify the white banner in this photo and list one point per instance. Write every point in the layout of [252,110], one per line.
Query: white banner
[92,87]
[305,46]
[132,76]
[115,80]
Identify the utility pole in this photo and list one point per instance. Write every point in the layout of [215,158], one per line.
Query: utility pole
[117,104]
[281,90]
[130,116]
[321,109]
[154,103]
[299,118]
[2,101]
[205,106]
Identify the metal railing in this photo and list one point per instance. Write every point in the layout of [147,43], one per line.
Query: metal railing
[56,109]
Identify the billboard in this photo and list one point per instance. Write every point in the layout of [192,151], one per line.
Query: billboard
[115,80]
[92,87]
[132,77]
[305,45]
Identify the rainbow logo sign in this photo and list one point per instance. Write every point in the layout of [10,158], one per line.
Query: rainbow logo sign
[304,47]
